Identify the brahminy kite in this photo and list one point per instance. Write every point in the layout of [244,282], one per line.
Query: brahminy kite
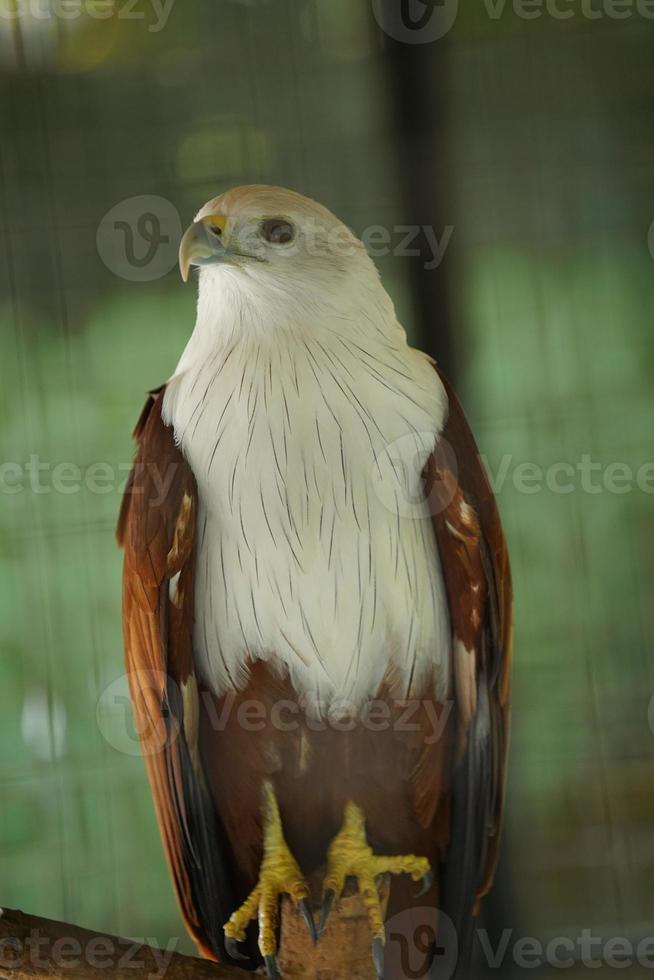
[317,597]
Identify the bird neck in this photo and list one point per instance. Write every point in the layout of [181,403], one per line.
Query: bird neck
[237,309]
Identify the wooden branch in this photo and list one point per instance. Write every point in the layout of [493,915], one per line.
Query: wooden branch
[31,947]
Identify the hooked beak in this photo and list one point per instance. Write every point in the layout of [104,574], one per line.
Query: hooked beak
[201,244]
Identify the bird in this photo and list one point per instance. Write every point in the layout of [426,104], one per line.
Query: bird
[317,601]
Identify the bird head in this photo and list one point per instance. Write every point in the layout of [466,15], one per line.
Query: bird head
[271,260]
[271,227]
[265,238]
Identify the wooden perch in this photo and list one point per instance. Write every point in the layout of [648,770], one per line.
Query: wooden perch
[32,948]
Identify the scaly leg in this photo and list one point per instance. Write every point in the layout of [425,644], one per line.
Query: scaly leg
[279,875]
[350,856]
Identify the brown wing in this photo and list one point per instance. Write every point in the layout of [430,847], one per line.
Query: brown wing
[157,529]
[478,584]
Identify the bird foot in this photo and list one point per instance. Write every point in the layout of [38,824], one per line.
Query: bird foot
[350,856]
[279,875]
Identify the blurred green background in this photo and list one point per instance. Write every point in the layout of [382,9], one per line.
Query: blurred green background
[530,139]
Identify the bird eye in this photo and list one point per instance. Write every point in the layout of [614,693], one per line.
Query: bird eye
[216,229]
[278,231]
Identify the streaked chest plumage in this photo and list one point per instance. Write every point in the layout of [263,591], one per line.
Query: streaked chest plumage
[315,545]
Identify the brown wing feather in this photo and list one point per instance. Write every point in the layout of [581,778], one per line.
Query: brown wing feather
[478,584]
[156,528]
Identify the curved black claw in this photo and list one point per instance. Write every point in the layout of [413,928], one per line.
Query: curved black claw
[307,915]
[271,967]
[427,882]
[232,950]
[327,902]
[378,957]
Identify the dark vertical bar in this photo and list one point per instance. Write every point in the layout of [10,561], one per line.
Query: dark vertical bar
[417,76]
[416,73]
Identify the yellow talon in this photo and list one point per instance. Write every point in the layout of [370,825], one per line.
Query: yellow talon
[279,875]
[350,856]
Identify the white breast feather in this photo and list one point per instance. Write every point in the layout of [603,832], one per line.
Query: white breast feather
[315,544]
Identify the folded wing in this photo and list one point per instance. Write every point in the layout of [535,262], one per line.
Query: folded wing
[157,529]
[478,585]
